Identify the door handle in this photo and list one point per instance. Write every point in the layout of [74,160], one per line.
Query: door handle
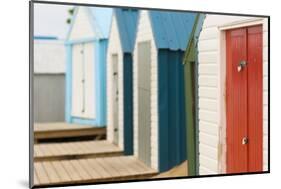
[115,129]
[241,65]
[245,140]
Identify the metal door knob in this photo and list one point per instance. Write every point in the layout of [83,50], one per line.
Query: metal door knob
[245,140]
[241,65]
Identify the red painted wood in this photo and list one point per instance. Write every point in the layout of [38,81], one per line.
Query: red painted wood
[255,103]
[244,100]
[236,101]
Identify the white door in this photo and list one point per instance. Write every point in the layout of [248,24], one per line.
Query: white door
[83,85]
[115,98]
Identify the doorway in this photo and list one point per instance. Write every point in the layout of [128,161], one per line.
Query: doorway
[144,109]
[115,94]
[244,77]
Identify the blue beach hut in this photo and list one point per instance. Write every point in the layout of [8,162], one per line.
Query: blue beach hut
[86,46]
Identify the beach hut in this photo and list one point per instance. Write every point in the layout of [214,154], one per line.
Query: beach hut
[119,79]
[190,83]
[86,46]
[233,94]
[48,79]
[158,108]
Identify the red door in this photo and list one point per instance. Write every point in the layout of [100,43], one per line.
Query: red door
[244,99]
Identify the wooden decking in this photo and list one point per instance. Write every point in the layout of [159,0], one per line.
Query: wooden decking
[89,170]
[72,150]
[65,130]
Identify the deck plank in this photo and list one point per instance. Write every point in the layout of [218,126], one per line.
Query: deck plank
[81,171]
[61,171]
[71,150]
[71,171]
[65,130]
[122,170]
[95,165]
[51,172]
[108,166]
[35,178]
[91,170]
[41,173]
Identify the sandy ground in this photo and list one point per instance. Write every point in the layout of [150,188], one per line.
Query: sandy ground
[178,171]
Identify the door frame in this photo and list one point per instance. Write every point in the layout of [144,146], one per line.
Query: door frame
[221,106]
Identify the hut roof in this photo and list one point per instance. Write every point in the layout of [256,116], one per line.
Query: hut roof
[99,18]
[172,29]
[127,20]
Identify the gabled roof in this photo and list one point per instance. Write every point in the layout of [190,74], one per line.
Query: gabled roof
[127,20]
[99,18]
[102,18]
[171,29]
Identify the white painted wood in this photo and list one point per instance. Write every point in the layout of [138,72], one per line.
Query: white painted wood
[83,68]
[49,57]
[114,47]
[90,85]
[82,27]
[212,90]
[77,88]
[144,33]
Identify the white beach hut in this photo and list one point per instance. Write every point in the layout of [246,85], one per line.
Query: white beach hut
[233,94]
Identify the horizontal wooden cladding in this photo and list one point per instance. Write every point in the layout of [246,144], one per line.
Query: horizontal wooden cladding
[265,54]
[207,57]
[265,112]
[208,116]
[208,128]
[208,69]
[265,69]
[90,170]
[208,104]
[72,150]
[209,163]
[208,45]
[208,81]
[208,151]
[208,139]
[205,171]
[209,33]
[208,92]
[265,83]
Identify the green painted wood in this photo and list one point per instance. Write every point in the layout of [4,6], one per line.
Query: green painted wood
[190,114]
[190,80]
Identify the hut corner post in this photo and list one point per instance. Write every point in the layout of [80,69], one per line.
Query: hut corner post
[190,83]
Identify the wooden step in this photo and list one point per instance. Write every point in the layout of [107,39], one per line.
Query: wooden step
[90,170]
[74,150]
[45,131]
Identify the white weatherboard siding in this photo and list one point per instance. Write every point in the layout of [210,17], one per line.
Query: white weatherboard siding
[49,57]
[114,47]
[212,144]
[144,33]
[81,28]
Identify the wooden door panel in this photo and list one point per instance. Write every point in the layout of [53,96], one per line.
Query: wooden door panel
[255,76]
[115,98]
[236,102]
[244,99]
[144,108]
